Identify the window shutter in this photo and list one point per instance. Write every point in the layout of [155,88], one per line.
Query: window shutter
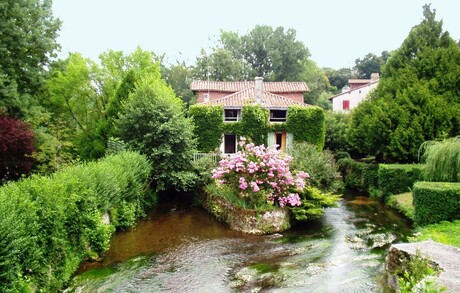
[270,139]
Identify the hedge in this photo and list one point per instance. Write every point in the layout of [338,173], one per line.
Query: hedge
[358,176]
[398,178]
[307,124]
[49,225]
[435,202]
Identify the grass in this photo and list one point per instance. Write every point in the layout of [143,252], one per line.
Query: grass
[445,232]
[403,203]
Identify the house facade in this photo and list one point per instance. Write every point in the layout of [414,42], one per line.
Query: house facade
[353,94]
[274,97]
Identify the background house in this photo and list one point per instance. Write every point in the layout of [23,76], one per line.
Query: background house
[353,94]
[276,97]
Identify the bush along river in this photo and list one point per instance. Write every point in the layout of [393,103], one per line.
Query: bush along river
[182,248]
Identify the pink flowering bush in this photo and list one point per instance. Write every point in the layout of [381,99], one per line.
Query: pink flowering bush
[261,176]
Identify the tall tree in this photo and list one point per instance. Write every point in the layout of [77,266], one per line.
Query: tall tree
[274,54]
[179,77]
[417,99]
[154,123]
[338,78]
[85,97]
[28,40]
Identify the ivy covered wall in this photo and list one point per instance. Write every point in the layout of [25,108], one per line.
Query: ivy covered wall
[307,124]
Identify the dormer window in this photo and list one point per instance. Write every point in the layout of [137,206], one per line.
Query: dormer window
[232,115]
[278,115]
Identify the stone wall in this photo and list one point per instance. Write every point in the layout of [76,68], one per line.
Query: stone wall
[247,220]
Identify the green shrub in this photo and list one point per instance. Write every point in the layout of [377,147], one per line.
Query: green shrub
[359,176]
[435,202]
[395,178]
[50,224]
[336,131]
[319,164]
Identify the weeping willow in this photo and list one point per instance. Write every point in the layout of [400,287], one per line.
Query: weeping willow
[442,160]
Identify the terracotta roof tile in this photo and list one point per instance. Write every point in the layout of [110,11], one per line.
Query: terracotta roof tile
[236,86]
[247,97]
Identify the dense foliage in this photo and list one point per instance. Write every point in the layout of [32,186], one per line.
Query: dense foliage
[86,97]
[50,224]
[17,145]
[442,160]
[398,178]
[417,98]
[208,122]
[435,202]
[307,124]
[336,131]
[359,176]
[28,42]
[254,123]
[319,164]
[154,123]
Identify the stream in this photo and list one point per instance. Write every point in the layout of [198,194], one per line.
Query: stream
[181,248]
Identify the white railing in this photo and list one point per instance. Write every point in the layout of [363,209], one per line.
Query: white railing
[214,156]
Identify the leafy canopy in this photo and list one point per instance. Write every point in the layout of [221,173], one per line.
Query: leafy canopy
[28,41]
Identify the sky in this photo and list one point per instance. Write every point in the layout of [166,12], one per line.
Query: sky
[336,32]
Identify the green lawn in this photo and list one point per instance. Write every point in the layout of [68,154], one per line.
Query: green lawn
[444,232]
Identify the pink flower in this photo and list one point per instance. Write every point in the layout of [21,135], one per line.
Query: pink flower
[254,186]
[243,184]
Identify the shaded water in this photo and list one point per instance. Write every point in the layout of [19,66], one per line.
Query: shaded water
[183,249]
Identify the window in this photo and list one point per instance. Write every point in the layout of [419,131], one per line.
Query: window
[346,105]
[229,143]
[278,115]
[231,115]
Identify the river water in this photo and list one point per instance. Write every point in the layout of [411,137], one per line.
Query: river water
[181,248]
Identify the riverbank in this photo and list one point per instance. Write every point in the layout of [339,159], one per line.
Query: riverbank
[445,232]
[182,248]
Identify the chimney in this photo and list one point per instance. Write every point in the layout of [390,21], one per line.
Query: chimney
[375,76]
[258,88]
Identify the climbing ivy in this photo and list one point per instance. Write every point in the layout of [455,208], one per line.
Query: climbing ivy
[208,126]
[307,124]
[254,123]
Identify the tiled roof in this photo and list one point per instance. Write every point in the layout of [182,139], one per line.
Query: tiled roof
[236,86]
[247,97]
[355,89]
